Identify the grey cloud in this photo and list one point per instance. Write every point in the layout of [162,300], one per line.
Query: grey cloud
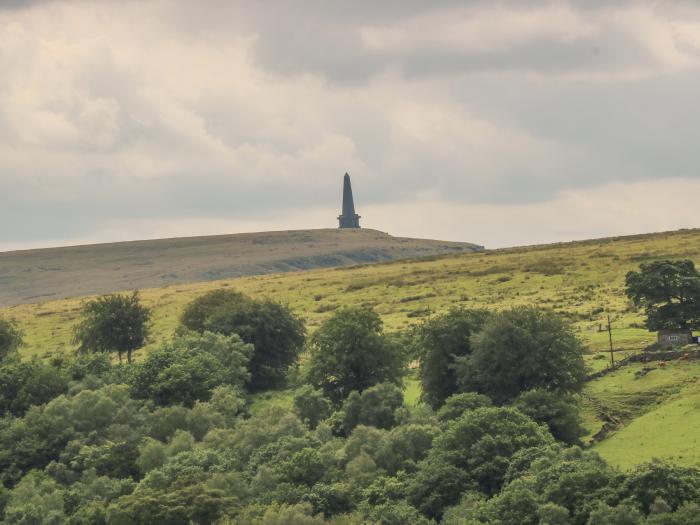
[144,140]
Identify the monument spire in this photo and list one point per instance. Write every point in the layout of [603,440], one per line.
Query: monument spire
[348,219]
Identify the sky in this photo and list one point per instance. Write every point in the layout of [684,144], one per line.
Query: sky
[495,122]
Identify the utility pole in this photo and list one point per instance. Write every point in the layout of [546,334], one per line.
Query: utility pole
[612,355]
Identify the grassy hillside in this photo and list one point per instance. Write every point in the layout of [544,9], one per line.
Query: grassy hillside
[582,280]
[655,414]
[53,273]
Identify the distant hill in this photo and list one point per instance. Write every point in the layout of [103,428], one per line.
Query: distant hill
[56,273]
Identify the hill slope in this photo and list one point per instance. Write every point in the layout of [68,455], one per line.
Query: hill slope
[53,273]
[582,281]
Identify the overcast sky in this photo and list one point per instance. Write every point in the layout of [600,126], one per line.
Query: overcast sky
[501,123]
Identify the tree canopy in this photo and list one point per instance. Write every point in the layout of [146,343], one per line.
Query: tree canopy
[276,334]
[350,352]
[440,340]
[522,349]
[669,293]
[113,323]
[10,338]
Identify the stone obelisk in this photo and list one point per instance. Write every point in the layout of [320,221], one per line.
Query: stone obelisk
[349,219]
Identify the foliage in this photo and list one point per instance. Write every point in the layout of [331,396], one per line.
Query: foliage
[276,334]
[311,406]
[522,349]
[375,407]
[350,352]
[10,339]
[457,404]
[441,339]
[171,440]
[113,323]
[669,292]
[474,451]
[673,484]
[558,411]
[23,384]
[187,368]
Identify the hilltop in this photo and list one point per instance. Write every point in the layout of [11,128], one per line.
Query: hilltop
[583,281]
[56,273]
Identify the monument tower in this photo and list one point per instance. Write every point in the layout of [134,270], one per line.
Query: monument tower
[349,219]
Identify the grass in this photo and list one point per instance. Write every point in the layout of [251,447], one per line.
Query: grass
[582,281]
[655,415]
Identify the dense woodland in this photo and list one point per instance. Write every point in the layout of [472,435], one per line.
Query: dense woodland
[176,436]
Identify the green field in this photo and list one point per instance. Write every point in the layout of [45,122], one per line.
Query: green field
[655,415]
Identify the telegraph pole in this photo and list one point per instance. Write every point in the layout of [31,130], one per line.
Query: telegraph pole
[612,355]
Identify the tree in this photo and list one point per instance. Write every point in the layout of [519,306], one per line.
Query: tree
[558,411]
[375,407]
[276,334]
[439,341]
[623,514]
[311,406]
[673,484]
[113,323]
[187,368]
[521,349]
[24,384]
[350,352]
[473,453]
[669,292]
[10,338]
[456,405]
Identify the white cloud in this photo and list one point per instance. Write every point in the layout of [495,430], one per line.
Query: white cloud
[124,119]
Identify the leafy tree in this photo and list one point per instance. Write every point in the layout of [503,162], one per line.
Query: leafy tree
[350,352]
[23,384]
[396,513]
[375,407]
[570,478]
[113,323]
[673,484]
[275,332]
[36,499]
[522,349]
[688,514]
[480,445]
[439,340]
[456,405]
[437,485]
[187,368]
[669,292]
[311,406]
[10,339]
[300,514]
[558,411]
[404,446]
[623,514]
